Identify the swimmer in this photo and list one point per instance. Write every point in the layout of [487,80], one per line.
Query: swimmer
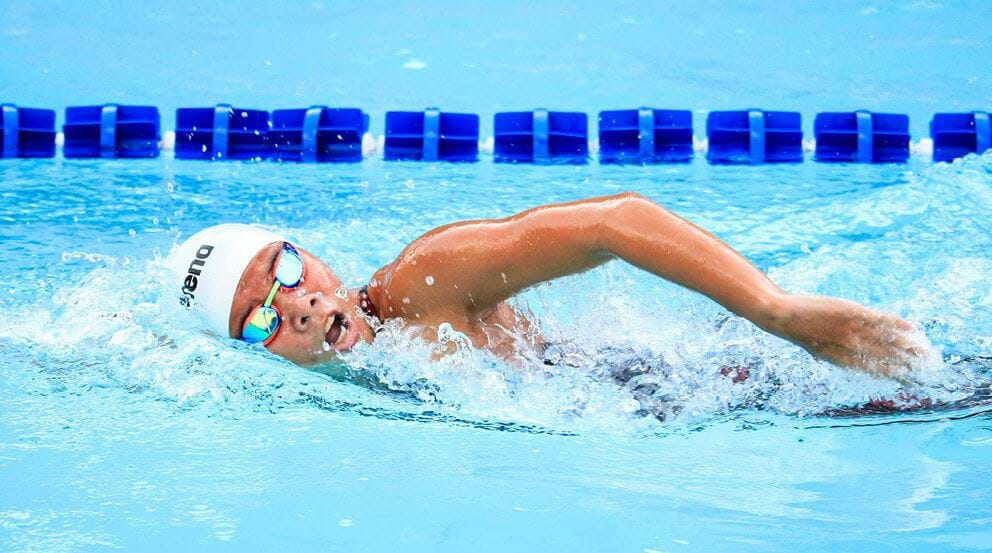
[252,285]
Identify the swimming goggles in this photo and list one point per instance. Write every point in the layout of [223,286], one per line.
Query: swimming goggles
[262,323]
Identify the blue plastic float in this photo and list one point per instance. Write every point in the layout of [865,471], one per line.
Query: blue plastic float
[861,136]
[111,131]
[541,136]
[754,136]
[221,133]
[959,134]
[431,135]
[26,132]
[317,134]
[645,135]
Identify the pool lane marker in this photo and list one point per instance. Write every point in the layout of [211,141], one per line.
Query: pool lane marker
[756,126]
[645,134]
[108,131]
[432,133]
[865,136]
[311,123]
[983,132]
[10,130]
[540,130]
[371,144]
[222,123]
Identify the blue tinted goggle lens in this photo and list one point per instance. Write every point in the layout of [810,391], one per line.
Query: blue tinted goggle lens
[289,266]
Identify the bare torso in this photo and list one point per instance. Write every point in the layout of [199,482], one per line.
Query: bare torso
[398,290]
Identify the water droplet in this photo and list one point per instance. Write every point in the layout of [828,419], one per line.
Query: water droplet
[341,292]
[268,62]
[406,300]
[326,346]
[132,233]
[346,522]
[429,280]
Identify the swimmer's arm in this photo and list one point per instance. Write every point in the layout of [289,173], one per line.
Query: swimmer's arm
[474,265]
[469,267]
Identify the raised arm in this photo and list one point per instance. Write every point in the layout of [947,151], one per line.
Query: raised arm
[473,265]
[476,264]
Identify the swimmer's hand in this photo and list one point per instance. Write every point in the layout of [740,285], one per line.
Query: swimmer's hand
[849,334]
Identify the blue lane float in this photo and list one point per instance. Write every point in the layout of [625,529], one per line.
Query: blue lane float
[317,134]
[861,136]
[431,135]
[541,136]
[959,134]
[111,131]
[645,135]
[754,136]
[26,132]
[221,133]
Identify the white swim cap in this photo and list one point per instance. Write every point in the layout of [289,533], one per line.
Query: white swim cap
[209,265]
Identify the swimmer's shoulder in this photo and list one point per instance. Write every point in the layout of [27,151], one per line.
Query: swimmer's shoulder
[408,289]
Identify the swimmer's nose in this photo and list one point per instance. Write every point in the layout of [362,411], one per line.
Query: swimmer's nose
[302,310]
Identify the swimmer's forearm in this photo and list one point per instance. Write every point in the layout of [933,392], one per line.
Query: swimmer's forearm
[656,240]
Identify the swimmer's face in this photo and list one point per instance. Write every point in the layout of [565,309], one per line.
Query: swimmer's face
[315,322]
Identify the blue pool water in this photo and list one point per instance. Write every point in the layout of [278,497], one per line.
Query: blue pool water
[124,426]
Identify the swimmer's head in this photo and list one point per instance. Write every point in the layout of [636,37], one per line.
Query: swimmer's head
[225,271]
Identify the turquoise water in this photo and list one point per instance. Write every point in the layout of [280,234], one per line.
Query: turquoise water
[123,425]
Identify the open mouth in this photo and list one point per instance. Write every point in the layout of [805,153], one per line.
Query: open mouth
[337,327]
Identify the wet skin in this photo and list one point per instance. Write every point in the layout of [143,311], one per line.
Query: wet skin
[463,274]
[305,311]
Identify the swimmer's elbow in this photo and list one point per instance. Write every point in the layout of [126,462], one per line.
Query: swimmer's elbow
[631,195]
[626,199]
[631,204]
[610,212]
[616,212]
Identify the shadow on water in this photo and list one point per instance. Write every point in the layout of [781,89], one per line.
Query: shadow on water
[428,416]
